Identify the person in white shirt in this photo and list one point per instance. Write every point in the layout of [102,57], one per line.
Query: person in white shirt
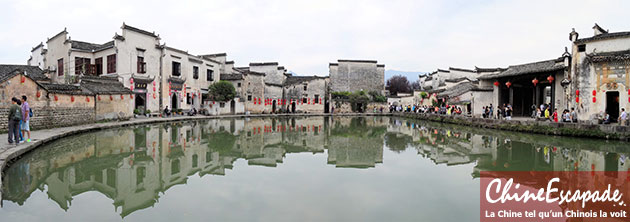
[623,117]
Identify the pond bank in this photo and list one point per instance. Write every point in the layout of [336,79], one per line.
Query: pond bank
[609,132]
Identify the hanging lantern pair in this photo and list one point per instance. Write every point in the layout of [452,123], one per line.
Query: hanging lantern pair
[594,96]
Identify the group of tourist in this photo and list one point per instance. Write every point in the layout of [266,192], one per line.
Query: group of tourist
[442,110]
[622,119]
[19,117]
[503,112]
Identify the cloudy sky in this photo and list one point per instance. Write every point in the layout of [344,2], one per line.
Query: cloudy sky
[305,36]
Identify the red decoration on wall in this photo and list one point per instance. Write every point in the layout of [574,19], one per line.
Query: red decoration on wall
[496,83]
[577,92]
[122,97]
[508,84]
[594,92]
[594,100]
[111,97]
[22,79]
[87,99]
[153,95]
[550,78]
[38,94]
[131,96]
[71,98]
[56,98]
[577,99]
[535,81]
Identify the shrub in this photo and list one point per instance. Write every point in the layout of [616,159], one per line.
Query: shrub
[222,91]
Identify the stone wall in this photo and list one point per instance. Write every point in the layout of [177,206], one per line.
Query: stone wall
[346,107]
[114,107]
[51,117]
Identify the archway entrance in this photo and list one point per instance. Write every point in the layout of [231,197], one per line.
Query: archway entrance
[612,105]
[174,102]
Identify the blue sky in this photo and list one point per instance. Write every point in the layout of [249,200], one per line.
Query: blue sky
[306,35]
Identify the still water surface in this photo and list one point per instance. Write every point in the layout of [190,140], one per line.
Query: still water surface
[282,169]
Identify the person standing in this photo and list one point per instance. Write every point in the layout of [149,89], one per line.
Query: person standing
[574,115]
[623,117]
[547,113]
[508,112]
[15,115]
[26,116]
[555,115]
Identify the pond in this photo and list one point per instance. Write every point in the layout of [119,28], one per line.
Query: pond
[282,169]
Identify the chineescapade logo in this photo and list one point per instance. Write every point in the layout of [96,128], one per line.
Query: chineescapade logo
[554,196]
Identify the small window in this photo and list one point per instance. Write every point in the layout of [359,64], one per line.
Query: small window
[188,98]
[195,72]
[99,65]
[582,48]
[209,75]
[316,99]
[249,97]
[304,100]
[176,69]
[238,85]
[60,67]
[111,63]
[222,105]
[304,86]
[142,66]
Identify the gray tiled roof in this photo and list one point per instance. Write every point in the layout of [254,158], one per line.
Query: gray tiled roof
[603,36]
[125,26]
[103,85]
[609,56]
[460,89]
[529,68]
[92,47]
[34,72]
[65,89]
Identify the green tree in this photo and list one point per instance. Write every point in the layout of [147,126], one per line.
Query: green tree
[222,91]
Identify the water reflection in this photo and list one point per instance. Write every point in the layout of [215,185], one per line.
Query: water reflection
[134,166]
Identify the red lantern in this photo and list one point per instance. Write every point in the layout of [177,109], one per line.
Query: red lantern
[153,95]
[122,97]
[594,100]
[71,98]
[577,92]
[87,99]
[22,79]
[577,99]
[38,94]
[496,83]
[111,97]
[550,78]
[131,96]
[594,92]
[508,84]
[535,81]
[56,98]
[98,97]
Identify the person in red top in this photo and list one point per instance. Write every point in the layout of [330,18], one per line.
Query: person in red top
[555,115]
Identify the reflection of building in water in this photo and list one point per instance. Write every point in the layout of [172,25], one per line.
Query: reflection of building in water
[132,167]
[356,144]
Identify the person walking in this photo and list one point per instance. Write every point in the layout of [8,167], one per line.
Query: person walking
[555,115]
[547,113]
[623,117]
[508,112]
[26,116]
[14,117]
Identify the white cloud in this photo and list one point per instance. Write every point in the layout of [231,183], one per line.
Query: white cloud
[306,35]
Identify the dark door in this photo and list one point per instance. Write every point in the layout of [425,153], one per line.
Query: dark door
[273,107]
[293,107]
[326,106]
[233,107]
[174,102]
[141,102]
[612,105]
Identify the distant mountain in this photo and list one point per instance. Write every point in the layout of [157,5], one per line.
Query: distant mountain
[411,76]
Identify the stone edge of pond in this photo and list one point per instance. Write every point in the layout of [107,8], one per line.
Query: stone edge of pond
[14,153]
[600,131]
